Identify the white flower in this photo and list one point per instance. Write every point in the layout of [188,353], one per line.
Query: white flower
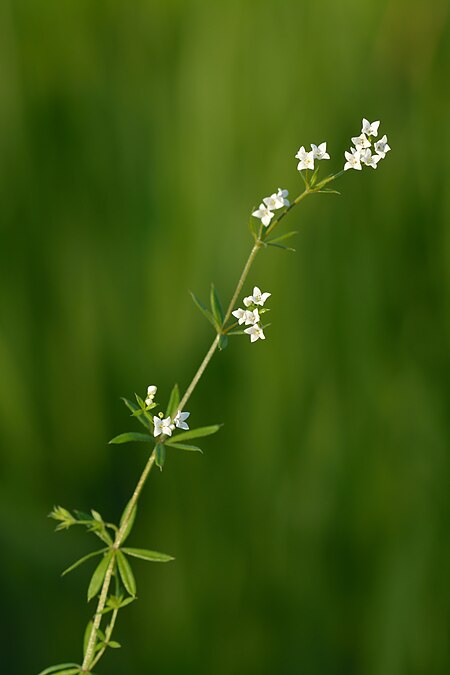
[251,317]
[382,147]
[151,393]
[353,160]
[306,159]
[180,418]
[257,298]
[162,426]
[240,315]
[277,200]
[320,152]
[255,332]
[264,213]
[361,142]
[370,160]
[370,129]
[282,195]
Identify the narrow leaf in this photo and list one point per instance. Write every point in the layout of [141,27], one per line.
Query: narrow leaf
[140,401]
[126,573]
[183,446]
[287,235]
[286,248]
[82,560]
[203,309]
[174,400]
[328,192]
[130,437]
[57,669]
[223,342]
[216,306]
[152,556]
[70,671]
[160,455]
[126,602]
[113,644]
[130,521]
[98,576]
[197,433]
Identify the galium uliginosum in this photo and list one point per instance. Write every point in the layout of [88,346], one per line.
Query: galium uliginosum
[113,583]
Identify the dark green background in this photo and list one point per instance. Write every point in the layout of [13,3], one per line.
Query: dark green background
[135,138]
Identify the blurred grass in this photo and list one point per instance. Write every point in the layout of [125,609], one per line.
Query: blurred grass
[312,537]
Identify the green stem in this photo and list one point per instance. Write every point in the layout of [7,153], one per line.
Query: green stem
[89,661]
[108,635]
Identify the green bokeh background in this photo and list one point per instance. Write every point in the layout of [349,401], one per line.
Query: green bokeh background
[312,537]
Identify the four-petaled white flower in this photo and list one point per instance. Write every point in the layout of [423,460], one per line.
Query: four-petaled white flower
[306,159]
[264,214]
[370,160]
[282,195]
[255,332]
[151,393]
[370,129]
[361,142]
[353,160]
[162,426]
[382,147]
[180,418]
[257,298]
[320,151]
[251,317]
[277,200]
[240,315]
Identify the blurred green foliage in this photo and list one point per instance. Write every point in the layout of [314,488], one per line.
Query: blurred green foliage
[135,138]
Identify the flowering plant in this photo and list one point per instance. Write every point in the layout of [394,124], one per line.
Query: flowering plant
[113,582]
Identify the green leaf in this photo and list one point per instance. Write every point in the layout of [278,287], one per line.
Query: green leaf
[236,332]
[126,573]
[98,576]
[174,400]
[203,309]
[183,446]
[152,556]
[82,560]
[130,522]
[286,248]
[216,306]
[140,402]
[57,669]
[287,235]
[135,410]
[131,436]
[127,601]
[197,433]
[113,644]
[328,192]
[223,342]
[160,455]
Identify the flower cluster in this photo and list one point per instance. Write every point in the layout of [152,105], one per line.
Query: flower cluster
[363,152]
[165,425]
[161,424]
[307,158]
[251,315]
[270,204]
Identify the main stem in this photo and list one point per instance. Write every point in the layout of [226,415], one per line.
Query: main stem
[259,241]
